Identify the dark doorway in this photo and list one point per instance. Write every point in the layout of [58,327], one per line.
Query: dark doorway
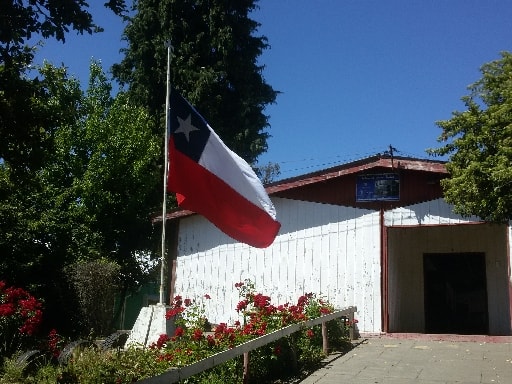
[455,293]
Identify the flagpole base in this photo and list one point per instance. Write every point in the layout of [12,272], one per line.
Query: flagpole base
[150,324]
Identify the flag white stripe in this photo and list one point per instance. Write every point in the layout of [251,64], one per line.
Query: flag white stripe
[234,171]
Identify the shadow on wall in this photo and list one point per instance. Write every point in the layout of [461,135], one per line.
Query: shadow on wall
[198,235]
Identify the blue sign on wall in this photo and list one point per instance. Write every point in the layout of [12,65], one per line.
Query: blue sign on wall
[382,187]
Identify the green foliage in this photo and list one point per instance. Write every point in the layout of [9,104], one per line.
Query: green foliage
[25,114]
[479,143]
[269,172]
[96,284]
[12,372]
[88,197]
[194,339]
[299,352]
[214,65]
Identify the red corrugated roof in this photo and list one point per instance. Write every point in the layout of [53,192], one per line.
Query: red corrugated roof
[378,161]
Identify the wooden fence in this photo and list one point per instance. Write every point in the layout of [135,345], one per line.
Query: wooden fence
[177,374]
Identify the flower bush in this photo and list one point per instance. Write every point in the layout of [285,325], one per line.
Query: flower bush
[20,316]
[194,338]
[258,316]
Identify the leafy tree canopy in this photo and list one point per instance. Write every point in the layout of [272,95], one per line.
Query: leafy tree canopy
[479,143]
[90,197]
[214,65]
[24,122]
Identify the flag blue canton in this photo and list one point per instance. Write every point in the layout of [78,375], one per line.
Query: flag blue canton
[188,128]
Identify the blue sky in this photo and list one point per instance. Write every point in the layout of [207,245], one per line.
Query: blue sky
[355,75]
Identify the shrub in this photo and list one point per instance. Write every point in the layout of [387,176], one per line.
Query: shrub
[95,284]
[302,350]
[20,316]
[195,339]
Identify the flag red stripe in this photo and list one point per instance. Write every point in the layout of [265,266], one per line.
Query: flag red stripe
[203,192]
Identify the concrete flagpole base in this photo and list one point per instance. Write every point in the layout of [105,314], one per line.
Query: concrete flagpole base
[150,324]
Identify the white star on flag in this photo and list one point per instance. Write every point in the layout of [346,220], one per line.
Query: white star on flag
[186,127]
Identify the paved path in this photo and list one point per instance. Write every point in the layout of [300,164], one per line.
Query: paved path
[419,360]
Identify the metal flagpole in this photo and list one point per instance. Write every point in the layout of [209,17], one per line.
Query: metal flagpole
[166,169]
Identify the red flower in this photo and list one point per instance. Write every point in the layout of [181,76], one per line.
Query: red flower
[325,310]
[162,340]
[7,309]
[261,301]
[220,330]
[179,332]
[187,302]
[197,334]
[165,357]
[239,285]
[207,296]
[21,307]
[241,305]
[211,340]
[53,343]
[303,300]
[310,333]
[277,350]
[248,329]
[173,312]
[31,324]
[178,300]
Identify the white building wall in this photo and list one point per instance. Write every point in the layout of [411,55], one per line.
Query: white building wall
[405,257]
[434,212]
[326,249]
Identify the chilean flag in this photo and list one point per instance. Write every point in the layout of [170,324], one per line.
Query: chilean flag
[210,179]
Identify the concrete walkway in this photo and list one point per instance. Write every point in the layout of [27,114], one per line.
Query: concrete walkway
[424,359]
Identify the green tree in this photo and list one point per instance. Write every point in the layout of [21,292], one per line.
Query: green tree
[24,121]
[91,197]
[115,173]
[269,172]
[214,66]
[54,209]
[36,227]
[479,144]
[118,155]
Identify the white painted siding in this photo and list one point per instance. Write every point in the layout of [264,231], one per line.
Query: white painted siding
[430,212]
[326,249]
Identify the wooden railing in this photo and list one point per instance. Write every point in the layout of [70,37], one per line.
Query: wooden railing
[177,374]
